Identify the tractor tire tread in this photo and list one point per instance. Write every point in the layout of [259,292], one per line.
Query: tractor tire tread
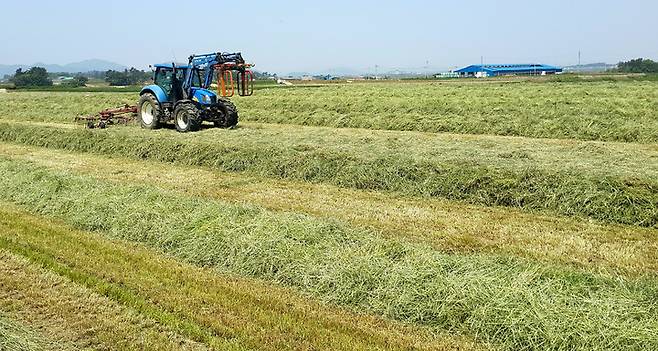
[231,119]
[193,119]
[157,111]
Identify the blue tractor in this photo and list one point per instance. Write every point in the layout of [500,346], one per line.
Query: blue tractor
[182,93]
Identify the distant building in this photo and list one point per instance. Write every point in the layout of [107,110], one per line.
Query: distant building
[507,70]
[446,75]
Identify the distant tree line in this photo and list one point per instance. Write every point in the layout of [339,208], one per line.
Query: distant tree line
[40,77]
[130,76]
[77,81]
[263,75]
[34,77]
[639,65]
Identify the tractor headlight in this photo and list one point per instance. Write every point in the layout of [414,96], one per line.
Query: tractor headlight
[207,99]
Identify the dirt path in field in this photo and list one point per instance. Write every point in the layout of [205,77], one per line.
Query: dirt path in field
[446,225]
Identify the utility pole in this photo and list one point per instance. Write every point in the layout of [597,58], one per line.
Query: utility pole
[578,58]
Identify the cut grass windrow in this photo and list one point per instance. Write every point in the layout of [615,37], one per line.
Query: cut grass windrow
[511,303]
[445,225]
[610,182]
[221,312]
[610,111]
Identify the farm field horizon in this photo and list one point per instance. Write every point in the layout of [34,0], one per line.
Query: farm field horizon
[475,215]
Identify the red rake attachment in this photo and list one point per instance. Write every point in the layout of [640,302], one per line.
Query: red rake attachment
[226,83]
[245,83]
[120,115]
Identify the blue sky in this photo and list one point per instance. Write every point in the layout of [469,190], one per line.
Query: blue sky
[290,35]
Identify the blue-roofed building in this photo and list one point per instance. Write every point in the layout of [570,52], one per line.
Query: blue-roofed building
[507,70]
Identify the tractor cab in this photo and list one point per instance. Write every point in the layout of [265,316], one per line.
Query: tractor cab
[170,78]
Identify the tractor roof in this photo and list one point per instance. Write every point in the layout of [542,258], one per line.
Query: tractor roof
[169,65]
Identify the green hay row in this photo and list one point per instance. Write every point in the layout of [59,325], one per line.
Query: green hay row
[509,302]
[610,111]
[612,196]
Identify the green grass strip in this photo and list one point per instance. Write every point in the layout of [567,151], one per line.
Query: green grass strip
[616,198]
[505,301]
[115,292]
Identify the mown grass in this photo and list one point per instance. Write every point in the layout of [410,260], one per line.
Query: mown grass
[71,316]
[15,336]
[445,225]
[604,181]
[610,111]
[508,302]
[59,106]
[218,311]
[616,110]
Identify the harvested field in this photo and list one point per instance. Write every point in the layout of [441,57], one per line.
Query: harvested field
[385,216]
[597,110]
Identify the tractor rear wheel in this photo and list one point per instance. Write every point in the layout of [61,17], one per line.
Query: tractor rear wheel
[149,111]
[186,118]
[230,112]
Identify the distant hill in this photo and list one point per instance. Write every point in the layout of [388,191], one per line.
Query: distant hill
[82,66]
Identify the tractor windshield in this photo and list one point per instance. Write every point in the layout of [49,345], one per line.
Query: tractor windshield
[163,77]
[198,78]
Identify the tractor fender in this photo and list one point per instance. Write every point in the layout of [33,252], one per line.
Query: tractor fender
[157,91]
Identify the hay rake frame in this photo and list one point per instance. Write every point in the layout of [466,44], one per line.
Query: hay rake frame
[120,115]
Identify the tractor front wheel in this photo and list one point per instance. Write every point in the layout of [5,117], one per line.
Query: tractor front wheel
[230,113]
[186,118]
[149,111]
